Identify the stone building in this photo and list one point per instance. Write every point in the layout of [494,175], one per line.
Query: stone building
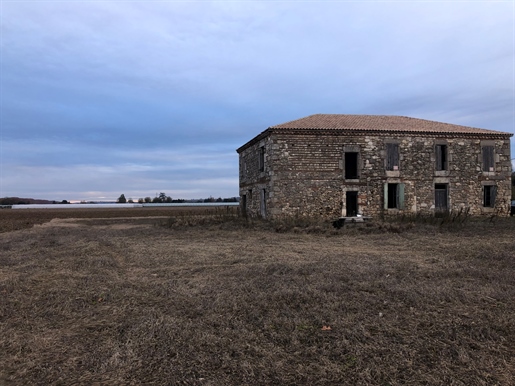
[334,165]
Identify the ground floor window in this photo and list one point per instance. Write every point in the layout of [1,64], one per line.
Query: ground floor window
[489,193]
[394,196]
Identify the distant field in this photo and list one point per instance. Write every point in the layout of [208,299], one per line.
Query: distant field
[196,298]
[15,219]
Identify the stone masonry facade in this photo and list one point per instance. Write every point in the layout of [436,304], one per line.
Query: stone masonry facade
[379,165]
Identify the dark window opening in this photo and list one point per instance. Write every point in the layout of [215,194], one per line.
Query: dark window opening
[488,159]
[489,193]
[441,157]
[392,156]
[351,166]
[261,158]
[394,196]
[351,200]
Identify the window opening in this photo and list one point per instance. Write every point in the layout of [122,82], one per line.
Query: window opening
[489,193]
[441,157]
[351,166]
[261,158]
[392,156]
[488,159]
[394,196]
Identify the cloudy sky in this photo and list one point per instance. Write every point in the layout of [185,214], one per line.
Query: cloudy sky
[99,98]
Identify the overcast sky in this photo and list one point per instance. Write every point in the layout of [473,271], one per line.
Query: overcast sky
[100,98]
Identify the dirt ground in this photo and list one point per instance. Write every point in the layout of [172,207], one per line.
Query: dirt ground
[161,299]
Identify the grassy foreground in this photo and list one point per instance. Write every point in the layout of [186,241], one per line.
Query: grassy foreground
[147,301]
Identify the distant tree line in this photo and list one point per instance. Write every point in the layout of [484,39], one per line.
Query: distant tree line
[13,201]
[27,201]
[220,199]
[162,198]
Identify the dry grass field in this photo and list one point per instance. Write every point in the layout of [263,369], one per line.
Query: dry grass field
[126,297]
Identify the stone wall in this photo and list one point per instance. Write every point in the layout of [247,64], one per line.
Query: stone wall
[304,174]
[255,178]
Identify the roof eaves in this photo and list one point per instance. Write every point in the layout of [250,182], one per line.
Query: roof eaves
[257,138]
[318,131]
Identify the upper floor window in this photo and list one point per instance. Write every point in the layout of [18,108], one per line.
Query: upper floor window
[392,156]
[262,159]
[351,165]
[243,167]
[441,157]
[488,158]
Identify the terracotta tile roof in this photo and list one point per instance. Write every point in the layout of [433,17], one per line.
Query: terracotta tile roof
[328,124]
[381,123]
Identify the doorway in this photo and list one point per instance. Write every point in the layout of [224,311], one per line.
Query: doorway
[351,199]
[441,199]
[244,205]
[263,203]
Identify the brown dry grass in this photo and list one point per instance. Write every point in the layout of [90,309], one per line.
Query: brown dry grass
[126,301]
[16,219]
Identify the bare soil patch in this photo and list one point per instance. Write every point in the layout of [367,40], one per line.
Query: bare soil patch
[115,300]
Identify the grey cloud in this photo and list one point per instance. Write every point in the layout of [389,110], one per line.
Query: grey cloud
[103,87]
